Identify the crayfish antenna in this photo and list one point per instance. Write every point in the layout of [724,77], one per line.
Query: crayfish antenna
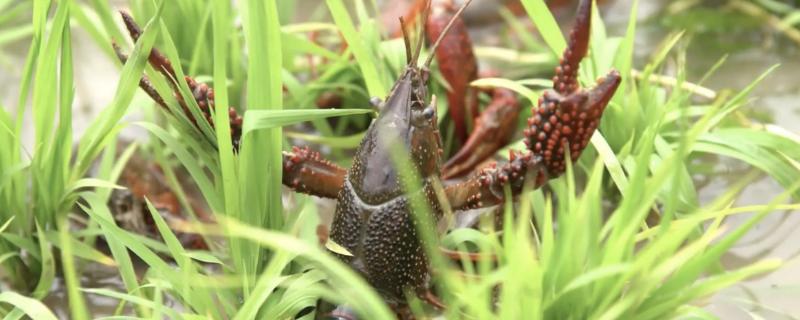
[566,79]
[444,31]
[421,38]
[406,40]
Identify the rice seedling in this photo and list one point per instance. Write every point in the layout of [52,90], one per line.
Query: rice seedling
[780,16]
[578,249]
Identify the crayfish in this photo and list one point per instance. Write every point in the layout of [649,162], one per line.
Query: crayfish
[373,223]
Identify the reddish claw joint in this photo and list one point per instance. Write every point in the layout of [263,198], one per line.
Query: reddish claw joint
[306,171]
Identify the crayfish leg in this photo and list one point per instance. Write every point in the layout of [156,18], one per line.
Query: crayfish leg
[307,172]
[493,130]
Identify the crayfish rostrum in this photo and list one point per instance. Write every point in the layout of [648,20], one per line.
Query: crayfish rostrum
[373,225]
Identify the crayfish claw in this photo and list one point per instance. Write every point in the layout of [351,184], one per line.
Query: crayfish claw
[156,58]
[563,124]
[566,79]
[601,94]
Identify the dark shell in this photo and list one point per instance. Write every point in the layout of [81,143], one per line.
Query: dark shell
[373,218]
[383,240]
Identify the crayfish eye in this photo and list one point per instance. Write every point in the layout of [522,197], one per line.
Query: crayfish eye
[424,117]
[375,102]
[428,113]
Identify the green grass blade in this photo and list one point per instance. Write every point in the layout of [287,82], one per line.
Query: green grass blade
[92,142]
[260,166]
[97,207]
[355,290]
[32,307]
[195,169]
[77,303]
[547,25]
[367,61]
[268,119]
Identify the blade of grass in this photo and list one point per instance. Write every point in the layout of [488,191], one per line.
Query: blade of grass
[367,62]
[77,303]
[32,307]
[97,135]
[268,119]
[546,24]
[260,166]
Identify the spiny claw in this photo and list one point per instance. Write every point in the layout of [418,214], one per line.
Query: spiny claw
[157,59]
[563,122]
[306,171]
[562,125]
[568,116]
[202,93]
[566,79]
[604,89]
[144,82]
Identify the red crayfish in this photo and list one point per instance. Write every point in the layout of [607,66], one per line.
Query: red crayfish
[373,223]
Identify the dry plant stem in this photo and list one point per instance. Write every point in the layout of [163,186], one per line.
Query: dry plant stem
[672,82]
[773,21]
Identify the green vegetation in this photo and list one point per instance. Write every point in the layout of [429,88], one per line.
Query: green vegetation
[580,260]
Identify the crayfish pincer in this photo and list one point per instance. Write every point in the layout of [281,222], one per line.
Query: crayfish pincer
[374,230]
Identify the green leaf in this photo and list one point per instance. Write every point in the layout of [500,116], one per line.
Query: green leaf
[32,307]
[540,14]
[515,86]
[100,130]
[367,61]
[82,250]
[268,119]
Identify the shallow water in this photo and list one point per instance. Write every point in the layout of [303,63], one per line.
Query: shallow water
[775,295]
[779,96]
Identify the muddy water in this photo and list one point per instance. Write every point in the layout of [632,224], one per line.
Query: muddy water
[772,296]
[750,53]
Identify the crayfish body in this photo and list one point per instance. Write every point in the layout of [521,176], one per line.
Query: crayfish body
[374,230]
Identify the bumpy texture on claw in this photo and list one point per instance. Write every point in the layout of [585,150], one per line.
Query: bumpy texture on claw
[144,82]
[566,79]
[562,125]
[157,59]
[202,93]
[568,116]
[487,187]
